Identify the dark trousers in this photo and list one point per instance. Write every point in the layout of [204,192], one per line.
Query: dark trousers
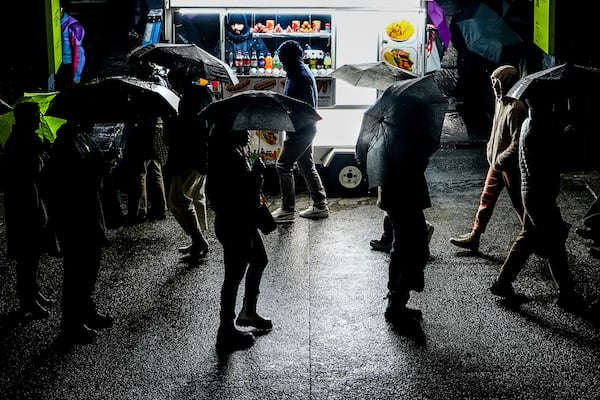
[27,272]
[545,233]
[81,265]
[409,254]
[244,254]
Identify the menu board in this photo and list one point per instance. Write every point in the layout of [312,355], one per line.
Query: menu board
[400,42]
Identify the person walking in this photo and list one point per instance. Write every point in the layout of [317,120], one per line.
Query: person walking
[543,230]
[25,209]
[187,168]
[76,170]
[144,156]
[73,52]
[502,155]
[298,146]
[234,191]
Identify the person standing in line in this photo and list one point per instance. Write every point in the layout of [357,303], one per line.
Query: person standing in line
[298,145]
[234,188]
[75,172]
[73,53]
[502,155]
[543,229]
[187,169]
[143,155]
[384,243]
[24,207]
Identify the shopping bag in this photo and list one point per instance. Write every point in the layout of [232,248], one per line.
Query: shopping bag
[264,220]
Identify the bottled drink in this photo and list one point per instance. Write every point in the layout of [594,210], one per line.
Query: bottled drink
[230,60]
[254,60]
[239,63]
[327,61]
[276,60]
[246,63]
[269,61]
[261,60]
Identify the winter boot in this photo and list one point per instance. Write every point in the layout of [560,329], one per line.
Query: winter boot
[468,241]
[249,317]
[229,338]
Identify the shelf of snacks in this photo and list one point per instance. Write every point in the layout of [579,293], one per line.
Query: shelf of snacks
[270,35]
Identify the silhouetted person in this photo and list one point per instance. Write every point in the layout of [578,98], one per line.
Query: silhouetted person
[25,209]
[76,169]
[187,167]
[543,230]
[144,156]
[234,191]
[298,145]
[502,149]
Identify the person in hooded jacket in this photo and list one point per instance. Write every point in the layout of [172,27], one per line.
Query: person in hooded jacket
[502,155]
[73,53]
[298,146]
[238,37]
[543,229]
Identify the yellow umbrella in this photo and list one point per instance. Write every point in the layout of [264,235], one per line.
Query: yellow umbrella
[48,124]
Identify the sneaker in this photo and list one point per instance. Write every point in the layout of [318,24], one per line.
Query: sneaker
[315,212]
[283,214]
[506,290]
[469,241]
[380,245]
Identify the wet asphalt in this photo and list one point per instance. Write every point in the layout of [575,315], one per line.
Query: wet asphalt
[324,289]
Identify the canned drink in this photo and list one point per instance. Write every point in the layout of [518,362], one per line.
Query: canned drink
[316,25]
[295,25]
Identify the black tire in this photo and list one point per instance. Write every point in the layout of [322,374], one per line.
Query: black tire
[345,178]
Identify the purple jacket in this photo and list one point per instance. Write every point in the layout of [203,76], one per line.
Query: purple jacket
[72,44]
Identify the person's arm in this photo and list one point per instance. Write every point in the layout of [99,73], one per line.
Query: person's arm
[514,121]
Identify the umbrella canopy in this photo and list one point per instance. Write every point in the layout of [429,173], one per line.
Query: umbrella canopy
[116,99]
[404,124]
[48,124]
[565,78]
[378,75]
[4,107]
[188,59]
[262,109]
[485,32]
[438,18]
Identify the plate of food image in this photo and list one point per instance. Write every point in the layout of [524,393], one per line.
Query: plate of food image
[401,58]
[400,31]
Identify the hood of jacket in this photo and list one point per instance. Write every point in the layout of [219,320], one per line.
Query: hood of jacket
[507,75]
[238,19]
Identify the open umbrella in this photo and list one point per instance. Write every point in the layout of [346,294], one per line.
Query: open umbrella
[438,18]
[4,107]
[485,32]
[262,109]
[569,79]
[49,124]
[377,75]
[404,124]
[116,99]
[188,59]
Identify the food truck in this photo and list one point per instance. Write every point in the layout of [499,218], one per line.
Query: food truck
[332,33]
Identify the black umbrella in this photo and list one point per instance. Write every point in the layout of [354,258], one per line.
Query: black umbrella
[404,124]
[377,75]
[115,99]
[188,59]
[567,79]
[262,109]
[485,32]
[4,107]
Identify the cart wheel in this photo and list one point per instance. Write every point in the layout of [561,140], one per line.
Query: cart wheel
[345,177]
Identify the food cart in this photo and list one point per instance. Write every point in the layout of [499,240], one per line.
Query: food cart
[333,33]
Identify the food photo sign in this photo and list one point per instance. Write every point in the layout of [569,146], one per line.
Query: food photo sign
[400,42]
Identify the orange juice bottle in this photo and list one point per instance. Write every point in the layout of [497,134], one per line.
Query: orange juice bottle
[269,61]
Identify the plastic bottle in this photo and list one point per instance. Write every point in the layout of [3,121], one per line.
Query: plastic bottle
[246,63]
[261,60]
[239,63]
[276,60]
[254,60]
[327,61]
[269,61]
